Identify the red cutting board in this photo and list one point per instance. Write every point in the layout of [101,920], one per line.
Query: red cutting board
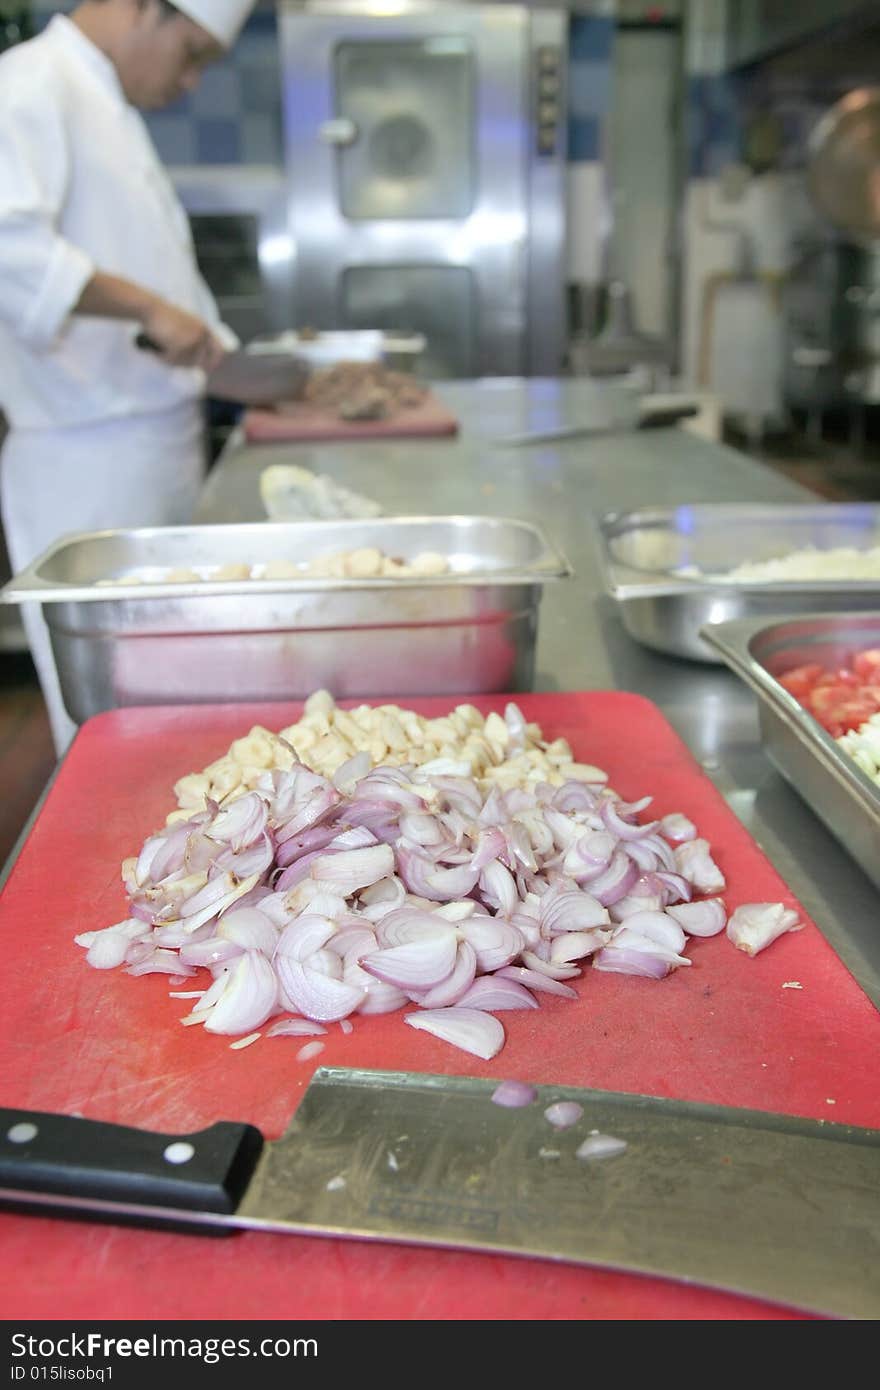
[109,1046]
[429,419]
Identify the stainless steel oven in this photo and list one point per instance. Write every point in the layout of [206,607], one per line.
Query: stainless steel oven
[425,158]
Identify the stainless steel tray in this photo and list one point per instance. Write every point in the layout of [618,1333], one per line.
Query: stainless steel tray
[159,642]
[643,552]
[834,786]
[399,351]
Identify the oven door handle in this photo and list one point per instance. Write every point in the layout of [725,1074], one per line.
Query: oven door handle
[339,131]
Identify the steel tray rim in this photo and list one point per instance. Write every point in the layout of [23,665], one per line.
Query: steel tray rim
[733,639]
[29,586]
[625,581]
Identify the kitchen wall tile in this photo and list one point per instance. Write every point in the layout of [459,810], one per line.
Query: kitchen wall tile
[219,93]
[260,138]
[591,38]
[218,141]
[175,138]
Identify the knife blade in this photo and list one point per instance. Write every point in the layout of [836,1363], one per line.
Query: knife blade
[748,1202]
[250,377]
[659,418]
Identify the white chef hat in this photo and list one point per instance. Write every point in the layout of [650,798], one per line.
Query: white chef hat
[222,18]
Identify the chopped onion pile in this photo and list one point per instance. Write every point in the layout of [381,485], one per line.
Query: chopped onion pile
[504,752]
[313,899]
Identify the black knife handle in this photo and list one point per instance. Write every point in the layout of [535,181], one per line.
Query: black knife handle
[146,343]
[87,1160]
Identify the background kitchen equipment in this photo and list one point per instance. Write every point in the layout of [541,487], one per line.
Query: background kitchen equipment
[831,298]
[155,641]
[470,1174]
[238,216]
[425,157]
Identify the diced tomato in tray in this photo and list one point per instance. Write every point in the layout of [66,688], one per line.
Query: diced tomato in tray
[841,699]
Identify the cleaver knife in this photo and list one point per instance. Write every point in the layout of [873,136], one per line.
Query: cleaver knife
[752,1203]
[251,377]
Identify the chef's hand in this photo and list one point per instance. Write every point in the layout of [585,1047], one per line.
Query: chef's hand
[182,339]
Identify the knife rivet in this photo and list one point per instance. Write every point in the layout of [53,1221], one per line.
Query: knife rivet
[23,1133]
[179,1153]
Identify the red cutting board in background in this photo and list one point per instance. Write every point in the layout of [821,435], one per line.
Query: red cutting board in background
[304,423]
[109,1046]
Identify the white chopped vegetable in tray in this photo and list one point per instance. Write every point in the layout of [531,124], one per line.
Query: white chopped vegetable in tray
[839,562]
[367,562]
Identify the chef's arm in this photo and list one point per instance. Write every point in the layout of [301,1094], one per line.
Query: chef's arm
[43,277]
[183,339]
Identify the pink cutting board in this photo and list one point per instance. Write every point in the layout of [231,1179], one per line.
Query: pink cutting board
[307,423]
[109,1046]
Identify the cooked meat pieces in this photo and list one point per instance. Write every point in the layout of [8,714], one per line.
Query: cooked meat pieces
[362,390]
[371,403]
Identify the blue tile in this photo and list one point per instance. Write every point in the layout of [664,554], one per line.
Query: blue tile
[260,91]
[182,107]
[218,94]
[261,139]
[589,89]
[591,37]
[174,138]
[584,139]
[218,142]
[257,50]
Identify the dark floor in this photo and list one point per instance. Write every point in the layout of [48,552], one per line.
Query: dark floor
[26,752]
[830,469]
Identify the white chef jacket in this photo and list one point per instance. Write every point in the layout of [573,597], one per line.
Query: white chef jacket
[82,189]
[102,435]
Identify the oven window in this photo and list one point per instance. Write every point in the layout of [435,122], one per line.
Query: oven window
[412,109]
[228,252]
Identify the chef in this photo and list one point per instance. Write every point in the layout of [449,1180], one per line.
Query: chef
[95,250]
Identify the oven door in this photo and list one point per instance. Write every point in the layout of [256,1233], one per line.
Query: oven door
[407,158]
[238,217]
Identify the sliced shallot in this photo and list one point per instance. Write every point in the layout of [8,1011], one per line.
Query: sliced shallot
[562,1114]
[513,1095]
[600,1146]
[470,1029]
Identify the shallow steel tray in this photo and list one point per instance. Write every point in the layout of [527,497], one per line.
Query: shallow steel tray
[643,551]
[159,642]
[836,789]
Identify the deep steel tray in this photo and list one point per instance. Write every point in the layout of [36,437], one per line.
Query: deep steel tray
[832,784]
[643,553]
[154,641]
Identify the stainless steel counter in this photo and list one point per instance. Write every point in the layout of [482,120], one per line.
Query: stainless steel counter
[582,644]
